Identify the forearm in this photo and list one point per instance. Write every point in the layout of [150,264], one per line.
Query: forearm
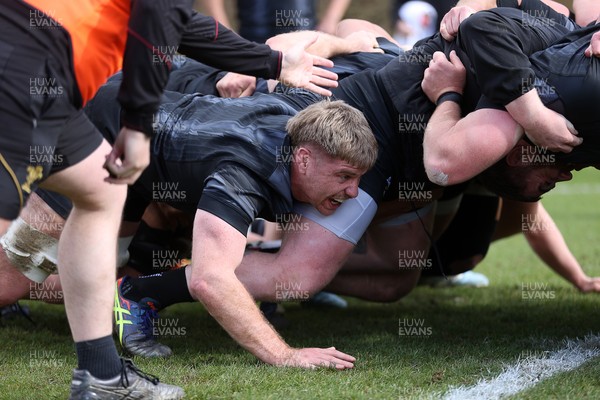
[228,301]
[215,256]
[210,43]
[154,31]
[546,240]
[439,153]
[526,110]
[326,45]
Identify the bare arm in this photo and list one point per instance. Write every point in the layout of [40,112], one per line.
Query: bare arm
[586,11]
[456,149]
[546,240]
[510,82]
[334,14]
[215,257]
[326,45]
[538,121]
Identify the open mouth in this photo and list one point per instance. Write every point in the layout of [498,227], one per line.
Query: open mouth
[335,202]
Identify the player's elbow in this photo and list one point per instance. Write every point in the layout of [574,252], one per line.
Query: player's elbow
[436,169]
[444,167]
[437,176]
[205,288]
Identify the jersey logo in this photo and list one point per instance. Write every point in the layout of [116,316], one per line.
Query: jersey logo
[388,183]
[33,174]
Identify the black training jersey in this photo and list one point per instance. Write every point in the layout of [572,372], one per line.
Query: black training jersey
[398,110]
[229,157]
[564,71]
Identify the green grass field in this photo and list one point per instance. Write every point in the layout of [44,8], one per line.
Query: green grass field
[473,333]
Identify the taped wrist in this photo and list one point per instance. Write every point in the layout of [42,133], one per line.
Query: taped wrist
[449,96]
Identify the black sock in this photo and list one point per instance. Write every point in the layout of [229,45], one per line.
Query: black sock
[99,357]
[165,288]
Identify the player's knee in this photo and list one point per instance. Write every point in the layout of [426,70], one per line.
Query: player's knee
[30,251]
[105,197]
[397,288]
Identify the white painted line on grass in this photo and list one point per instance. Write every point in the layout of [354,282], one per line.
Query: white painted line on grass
[572,189]
[530,371]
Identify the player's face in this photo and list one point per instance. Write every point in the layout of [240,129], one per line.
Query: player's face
[327,183]
[542,179]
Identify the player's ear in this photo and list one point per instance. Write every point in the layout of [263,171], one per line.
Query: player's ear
[514,158]
[302,158]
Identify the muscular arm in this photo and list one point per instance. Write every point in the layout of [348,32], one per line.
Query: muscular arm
[237,85]
[216,255]
[207,41]
[454,149]
[326,45]
[546,240]
[499,56]
[211,43]
[538,122]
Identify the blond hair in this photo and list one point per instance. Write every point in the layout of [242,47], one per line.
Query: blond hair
[339,129]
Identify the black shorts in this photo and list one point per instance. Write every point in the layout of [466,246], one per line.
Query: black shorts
[469,234]
[43,128]
[231,192]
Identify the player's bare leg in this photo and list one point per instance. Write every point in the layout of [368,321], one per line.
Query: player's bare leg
[88,246]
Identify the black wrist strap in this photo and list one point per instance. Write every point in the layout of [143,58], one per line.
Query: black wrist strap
[449,96]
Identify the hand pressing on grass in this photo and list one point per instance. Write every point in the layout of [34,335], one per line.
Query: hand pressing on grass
[313,358]
[588,285]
